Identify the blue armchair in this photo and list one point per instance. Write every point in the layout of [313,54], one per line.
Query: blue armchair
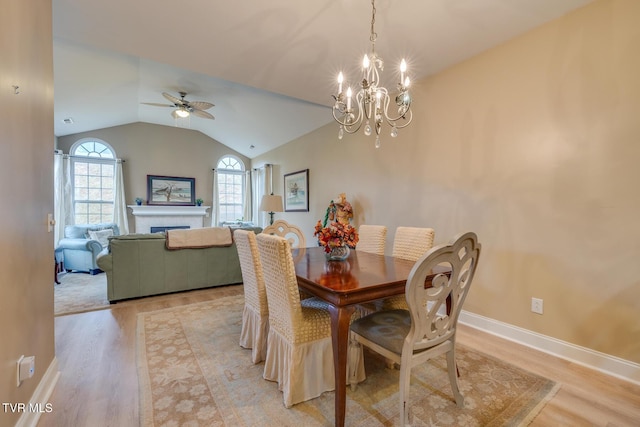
[82,243]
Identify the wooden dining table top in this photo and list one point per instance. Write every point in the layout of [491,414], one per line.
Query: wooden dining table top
[362,277]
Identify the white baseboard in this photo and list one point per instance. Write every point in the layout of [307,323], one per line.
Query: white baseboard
[39,402]
[610,365]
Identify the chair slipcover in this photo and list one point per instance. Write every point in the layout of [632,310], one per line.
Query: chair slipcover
[372,239]
[412,243]
[428,328]
[299,348]
[409,243]
[255,315]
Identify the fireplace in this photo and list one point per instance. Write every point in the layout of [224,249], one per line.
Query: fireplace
[162,217]
[168,227]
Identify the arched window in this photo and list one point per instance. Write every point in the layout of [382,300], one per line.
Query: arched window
[230,188]
[93,181]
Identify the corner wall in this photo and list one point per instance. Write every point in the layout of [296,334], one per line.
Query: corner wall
[26,174]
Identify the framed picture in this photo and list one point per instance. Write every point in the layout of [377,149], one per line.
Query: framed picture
[171,190]
[296,188]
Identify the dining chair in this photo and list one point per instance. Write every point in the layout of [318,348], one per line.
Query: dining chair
[412,243]
[372,238]
[409,243]
[255,315]
[428,328]
[291,232]
[299,345]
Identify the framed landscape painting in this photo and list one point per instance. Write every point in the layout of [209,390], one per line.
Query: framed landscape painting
[171,190]
[296,187]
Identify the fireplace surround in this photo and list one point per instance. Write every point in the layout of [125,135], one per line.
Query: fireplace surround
[147,216]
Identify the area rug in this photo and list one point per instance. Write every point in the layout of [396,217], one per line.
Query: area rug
[80,292]
[192,372]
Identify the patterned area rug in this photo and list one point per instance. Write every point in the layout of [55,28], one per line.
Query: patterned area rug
[79,292]
[192,372]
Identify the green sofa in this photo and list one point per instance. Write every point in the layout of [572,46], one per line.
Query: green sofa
[139,265]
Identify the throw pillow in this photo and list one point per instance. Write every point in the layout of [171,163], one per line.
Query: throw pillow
[102,236]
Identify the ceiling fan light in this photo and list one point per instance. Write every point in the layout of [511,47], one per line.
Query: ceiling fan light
[182,112]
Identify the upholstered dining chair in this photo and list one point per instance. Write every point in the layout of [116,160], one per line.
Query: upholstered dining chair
[409,243]
[427,329]
[299,347]
[372,238]
[412,243]
[255,315]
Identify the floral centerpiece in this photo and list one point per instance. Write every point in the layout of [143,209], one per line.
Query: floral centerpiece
[335,233]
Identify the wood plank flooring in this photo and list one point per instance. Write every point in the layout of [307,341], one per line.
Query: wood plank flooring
[98,385]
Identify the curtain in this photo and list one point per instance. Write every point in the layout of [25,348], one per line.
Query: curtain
[119,202]
[63,195]
[215,208]
[247,213]
[263,184]
[257,177]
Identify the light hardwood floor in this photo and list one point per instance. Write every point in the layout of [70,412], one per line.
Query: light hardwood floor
[98,385]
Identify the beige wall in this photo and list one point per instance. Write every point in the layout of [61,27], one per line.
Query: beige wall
[535,146]
[26,174]
[160,150]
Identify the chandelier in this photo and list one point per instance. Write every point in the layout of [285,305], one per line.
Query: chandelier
[372,104]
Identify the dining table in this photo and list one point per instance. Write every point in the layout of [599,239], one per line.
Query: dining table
[361,278]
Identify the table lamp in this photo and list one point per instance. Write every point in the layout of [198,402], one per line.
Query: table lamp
[271,203]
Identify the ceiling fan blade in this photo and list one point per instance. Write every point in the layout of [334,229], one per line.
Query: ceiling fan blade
[172,98]
[155,104]
[200,105]
[202,114]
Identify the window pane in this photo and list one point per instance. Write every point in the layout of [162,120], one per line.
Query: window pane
[95,169]
[107,170]
[80,168]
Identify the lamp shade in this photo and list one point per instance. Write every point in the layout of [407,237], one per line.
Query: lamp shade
[271,203]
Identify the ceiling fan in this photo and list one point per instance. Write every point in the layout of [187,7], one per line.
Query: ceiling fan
[184,108]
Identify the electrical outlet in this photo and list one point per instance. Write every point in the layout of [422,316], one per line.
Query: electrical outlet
[537,305]
[25,368]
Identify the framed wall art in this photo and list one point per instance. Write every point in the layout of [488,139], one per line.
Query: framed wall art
[171,190]
[296,188]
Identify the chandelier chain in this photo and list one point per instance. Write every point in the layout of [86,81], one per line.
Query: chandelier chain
[373,35]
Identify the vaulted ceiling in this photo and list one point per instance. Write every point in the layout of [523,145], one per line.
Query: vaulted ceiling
[268,66]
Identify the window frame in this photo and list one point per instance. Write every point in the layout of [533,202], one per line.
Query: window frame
[93,158]
[222,171]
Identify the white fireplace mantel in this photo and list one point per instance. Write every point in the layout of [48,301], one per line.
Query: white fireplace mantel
[153,210]
[147,216]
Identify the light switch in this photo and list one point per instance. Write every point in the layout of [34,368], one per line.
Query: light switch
[50,223]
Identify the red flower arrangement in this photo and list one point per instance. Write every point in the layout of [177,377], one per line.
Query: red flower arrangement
[335,235]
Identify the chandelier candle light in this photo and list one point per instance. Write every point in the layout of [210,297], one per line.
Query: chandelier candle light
[372,101]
